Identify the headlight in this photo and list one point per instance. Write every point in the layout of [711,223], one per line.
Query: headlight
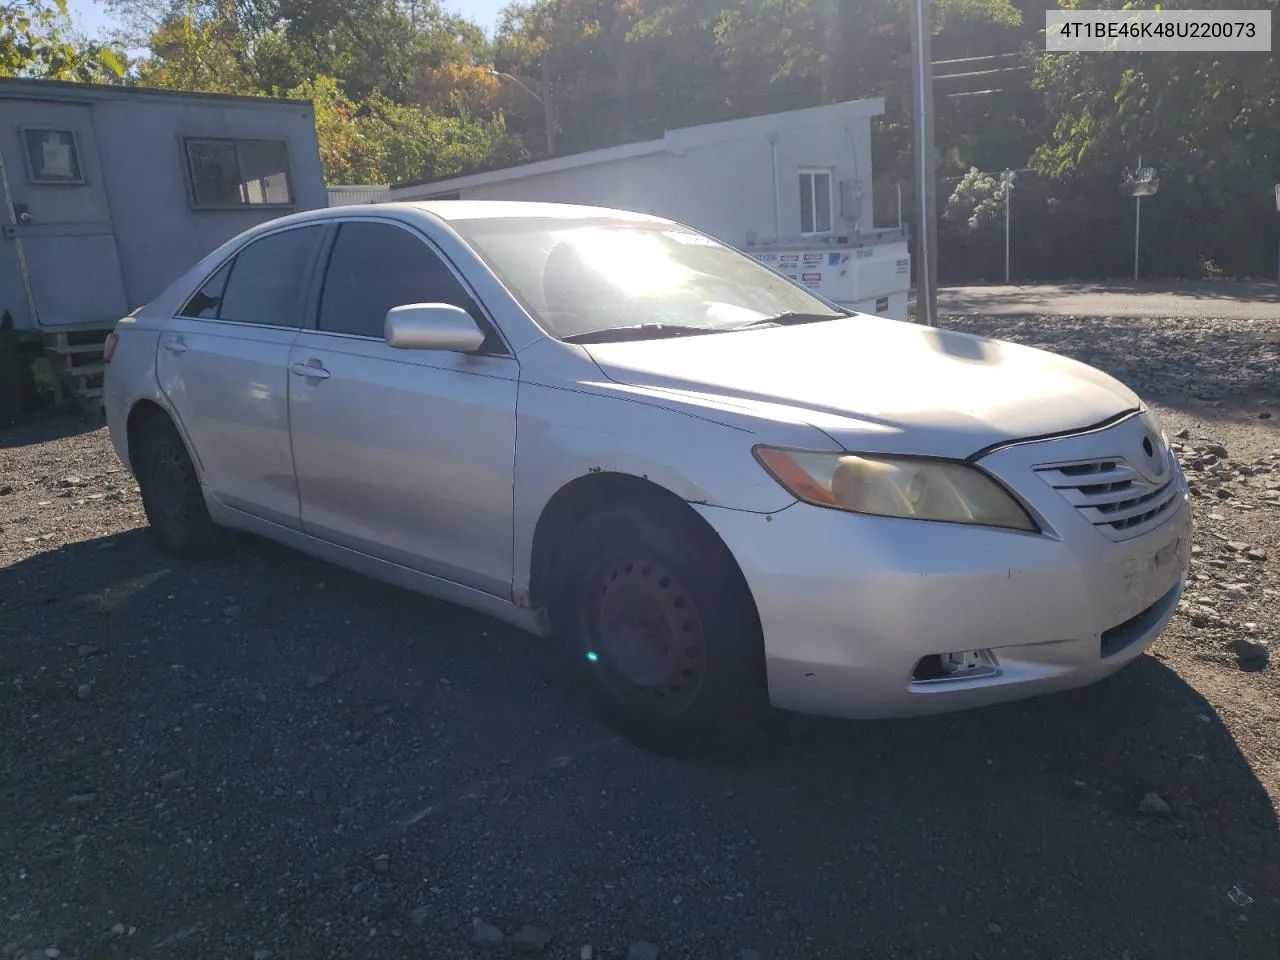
[907,487]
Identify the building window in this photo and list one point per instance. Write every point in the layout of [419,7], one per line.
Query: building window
[53,156]
[238,173]
[815,201]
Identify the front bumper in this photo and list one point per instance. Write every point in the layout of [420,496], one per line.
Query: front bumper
[850,605]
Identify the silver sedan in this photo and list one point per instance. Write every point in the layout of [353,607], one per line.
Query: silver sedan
[707,487]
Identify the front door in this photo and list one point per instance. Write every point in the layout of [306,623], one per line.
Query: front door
[56,220]
[406,455]
[223,363]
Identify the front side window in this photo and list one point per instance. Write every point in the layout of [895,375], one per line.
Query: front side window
[815,201]
[53,156]
[268,277]
[377,266]
[237,173]
[577,277]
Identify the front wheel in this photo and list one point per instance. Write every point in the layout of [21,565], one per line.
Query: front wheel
[171,495]
[654,607]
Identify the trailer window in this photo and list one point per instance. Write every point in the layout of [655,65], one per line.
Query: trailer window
[239,173]
[52,156]
[815,201]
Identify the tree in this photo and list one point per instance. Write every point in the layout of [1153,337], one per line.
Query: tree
[381,141]
[35,41]
[1206,120]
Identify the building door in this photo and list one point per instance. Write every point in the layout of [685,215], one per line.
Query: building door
[58,253]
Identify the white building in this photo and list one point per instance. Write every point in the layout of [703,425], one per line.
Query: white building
[345,195]
[792,189]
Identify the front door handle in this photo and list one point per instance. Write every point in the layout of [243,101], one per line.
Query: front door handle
[177,346]
[312,371]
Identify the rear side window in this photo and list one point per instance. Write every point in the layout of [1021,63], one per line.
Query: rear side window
[268,278]
[377,266]
[204,303]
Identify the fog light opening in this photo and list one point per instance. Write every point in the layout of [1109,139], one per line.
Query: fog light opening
[955,665]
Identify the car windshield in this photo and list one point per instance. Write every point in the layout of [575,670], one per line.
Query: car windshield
[578,277]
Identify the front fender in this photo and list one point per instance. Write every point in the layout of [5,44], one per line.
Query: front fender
[564,433]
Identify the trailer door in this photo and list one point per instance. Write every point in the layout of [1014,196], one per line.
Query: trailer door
[57,226]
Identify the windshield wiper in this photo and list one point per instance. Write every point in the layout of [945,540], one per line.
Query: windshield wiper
[638,331]
[790,318]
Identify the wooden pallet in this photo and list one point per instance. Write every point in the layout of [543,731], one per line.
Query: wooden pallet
[75,356]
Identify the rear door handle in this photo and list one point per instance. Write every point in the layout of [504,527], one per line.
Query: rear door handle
[311,371]
[176,346]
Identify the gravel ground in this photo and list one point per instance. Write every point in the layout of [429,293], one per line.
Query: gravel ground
[268,757]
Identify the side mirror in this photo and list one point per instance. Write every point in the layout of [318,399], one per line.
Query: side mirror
[432,326]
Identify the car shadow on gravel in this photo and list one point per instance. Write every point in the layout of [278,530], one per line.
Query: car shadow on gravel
[46,425]
[220,753]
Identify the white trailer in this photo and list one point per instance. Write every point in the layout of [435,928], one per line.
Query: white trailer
[870,274]
[108,193]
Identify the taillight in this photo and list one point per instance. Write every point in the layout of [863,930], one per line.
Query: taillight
[109,348]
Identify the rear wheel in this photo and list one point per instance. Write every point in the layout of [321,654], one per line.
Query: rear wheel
[171,494]
[653,607]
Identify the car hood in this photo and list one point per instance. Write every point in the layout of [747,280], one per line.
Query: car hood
[879,385]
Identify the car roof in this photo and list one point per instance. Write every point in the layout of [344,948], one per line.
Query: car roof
[452,211]
[489,209]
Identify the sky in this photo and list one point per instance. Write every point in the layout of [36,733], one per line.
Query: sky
[91,17]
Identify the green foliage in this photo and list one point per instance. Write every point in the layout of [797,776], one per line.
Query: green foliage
[380,141]
[977,202]
[35,41]
[405,90]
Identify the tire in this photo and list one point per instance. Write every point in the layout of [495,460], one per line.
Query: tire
[172,497]
[652,607]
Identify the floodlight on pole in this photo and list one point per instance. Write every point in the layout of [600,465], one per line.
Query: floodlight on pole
[544,99]
[1138,183]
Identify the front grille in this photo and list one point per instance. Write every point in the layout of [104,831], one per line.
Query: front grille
[1118,500]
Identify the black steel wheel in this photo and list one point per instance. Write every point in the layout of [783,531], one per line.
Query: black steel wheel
[652,645]
[654,609]
[171,494]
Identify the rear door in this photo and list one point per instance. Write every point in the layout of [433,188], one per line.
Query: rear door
[57,227]
[223,363]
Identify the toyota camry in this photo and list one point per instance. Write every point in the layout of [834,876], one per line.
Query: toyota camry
[707,488]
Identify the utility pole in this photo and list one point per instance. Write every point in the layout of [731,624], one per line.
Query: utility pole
[1137,227]
[1008,199]
[545,85]
[925,167]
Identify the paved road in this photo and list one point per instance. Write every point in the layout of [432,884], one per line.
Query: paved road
[1218,299]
